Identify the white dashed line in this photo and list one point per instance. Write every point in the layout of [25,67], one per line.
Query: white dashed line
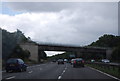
[62,73]
[59,77]
[30,71]
[105,73]
[10,77]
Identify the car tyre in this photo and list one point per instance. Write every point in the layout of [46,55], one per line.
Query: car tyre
[74,66]
[20,70]
[25,69]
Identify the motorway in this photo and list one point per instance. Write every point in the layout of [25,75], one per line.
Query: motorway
[54,71]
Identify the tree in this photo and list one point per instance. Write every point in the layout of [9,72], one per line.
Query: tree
[107,41]
[18,52]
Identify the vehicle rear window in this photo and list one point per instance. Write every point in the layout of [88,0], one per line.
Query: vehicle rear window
[21,61]
[79,59]
[12,61]
[60,60]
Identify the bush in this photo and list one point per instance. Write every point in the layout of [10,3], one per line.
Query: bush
[18,52]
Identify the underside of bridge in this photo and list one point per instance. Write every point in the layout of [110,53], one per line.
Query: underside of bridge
[79,51]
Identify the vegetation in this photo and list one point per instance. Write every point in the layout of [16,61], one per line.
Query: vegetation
[110,41]
[116,54]
[10,40]
[110,70]
[18,52]
[42,55]
[107,41]
[11,48]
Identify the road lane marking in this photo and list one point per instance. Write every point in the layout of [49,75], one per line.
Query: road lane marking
[63,71]
[40,68]
[10,77]
[105,73]
[59,77]
[30,71]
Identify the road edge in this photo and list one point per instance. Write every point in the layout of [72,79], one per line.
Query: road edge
[104,73]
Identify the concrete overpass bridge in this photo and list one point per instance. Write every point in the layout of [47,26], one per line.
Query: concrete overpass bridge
[35,48]
[79,50]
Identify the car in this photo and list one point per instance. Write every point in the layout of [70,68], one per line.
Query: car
[66,60]
[15,64]
[105,60]
[72,60]
[60,61]
[54,61]
[78,62]
[92,60]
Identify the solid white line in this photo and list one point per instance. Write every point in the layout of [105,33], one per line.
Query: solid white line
[105,73]
[59,77]
[10,77]
[30,71]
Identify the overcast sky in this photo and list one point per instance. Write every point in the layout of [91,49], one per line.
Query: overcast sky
[66,23]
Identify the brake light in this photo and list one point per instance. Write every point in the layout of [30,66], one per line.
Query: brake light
[74,61]
[83,61]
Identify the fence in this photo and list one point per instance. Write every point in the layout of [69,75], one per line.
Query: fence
[105,65]
[110,67]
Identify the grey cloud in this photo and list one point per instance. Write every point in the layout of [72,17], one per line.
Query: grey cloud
[66,23]
[58,6]
[38,6]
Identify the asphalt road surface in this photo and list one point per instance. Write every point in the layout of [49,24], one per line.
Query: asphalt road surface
[54,71]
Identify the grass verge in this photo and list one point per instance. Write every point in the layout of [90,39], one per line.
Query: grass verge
[110,70]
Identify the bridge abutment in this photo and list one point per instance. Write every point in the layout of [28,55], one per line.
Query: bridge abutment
[78,54]
[108,53]
[33,49]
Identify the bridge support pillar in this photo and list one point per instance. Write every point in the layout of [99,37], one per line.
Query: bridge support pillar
[108,53]
[33,49]
[78,54]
